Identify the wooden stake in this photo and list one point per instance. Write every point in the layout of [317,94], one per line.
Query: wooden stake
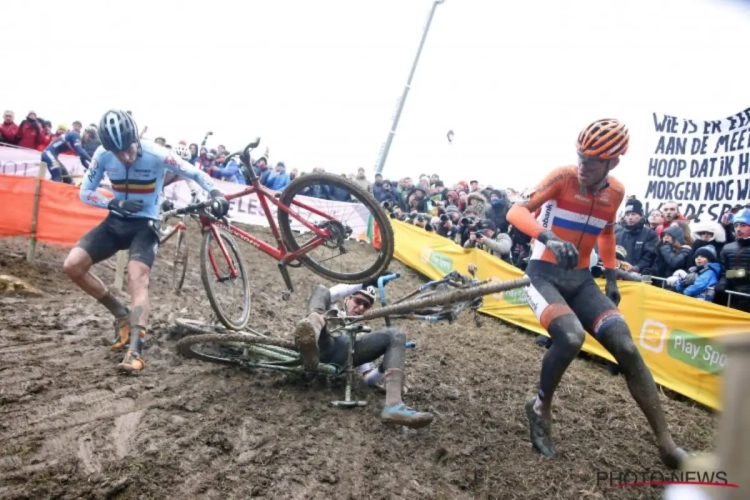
[30,252]
[122,262]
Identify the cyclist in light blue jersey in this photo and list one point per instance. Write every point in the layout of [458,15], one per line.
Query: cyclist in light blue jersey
[136,171]
[70,140]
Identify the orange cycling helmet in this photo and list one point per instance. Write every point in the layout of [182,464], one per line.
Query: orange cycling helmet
[604,139]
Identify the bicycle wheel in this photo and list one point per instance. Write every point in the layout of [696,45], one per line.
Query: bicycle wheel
[342,220]
[237,349]
[180,261]
[215,271]
[448,297]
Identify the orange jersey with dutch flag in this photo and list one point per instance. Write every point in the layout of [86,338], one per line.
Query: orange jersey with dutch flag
[572,213]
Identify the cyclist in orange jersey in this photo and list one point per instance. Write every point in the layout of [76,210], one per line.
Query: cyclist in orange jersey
[578,210]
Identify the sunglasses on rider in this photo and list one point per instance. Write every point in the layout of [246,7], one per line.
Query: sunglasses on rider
[361,301]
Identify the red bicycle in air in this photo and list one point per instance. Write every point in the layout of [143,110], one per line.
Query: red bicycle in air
[305,229]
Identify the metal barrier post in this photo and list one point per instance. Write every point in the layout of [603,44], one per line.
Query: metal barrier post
[31,250]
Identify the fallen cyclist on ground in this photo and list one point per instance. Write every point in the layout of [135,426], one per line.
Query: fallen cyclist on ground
[578,210]
[136,171]
[316,345]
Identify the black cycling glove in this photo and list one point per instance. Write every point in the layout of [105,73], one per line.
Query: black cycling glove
[126,207]
[219,204]
[565,252]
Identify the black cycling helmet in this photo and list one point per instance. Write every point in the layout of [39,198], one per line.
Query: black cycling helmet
[117,131]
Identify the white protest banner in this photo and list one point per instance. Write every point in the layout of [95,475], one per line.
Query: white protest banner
[247,209]
[703,166]
[22,161]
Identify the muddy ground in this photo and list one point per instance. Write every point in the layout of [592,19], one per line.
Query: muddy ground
[71,427]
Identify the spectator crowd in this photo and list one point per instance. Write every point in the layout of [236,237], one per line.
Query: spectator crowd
[704,260]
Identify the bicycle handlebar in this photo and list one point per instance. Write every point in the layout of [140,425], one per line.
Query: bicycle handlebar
[381,284]
[188,209]
[244,152]
[194,208]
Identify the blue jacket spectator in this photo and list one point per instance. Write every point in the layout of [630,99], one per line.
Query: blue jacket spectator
[230,172]
[279,179]
[702,277]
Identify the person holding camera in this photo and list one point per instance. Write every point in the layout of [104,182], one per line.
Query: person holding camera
[486,237]
[446,224]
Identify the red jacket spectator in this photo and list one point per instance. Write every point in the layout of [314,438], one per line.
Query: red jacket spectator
[8,129]
[46,139]
[30,132]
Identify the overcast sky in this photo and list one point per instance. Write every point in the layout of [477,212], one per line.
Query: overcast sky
[319,80]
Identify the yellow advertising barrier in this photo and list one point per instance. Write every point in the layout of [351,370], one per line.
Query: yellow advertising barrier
[678,336]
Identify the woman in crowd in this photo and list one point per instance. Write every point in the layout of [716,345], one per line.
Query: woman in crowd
[672,252]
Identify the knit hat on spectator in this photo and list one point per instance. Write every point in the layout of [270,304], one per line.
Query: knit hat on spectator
[708,252]
[634,206]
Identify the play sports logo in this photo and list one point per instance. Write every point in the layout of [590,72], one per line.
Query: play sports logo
[653,335]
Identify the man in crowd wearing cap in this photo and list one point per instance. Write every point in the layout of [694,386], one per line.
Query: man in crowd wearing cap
[637,239]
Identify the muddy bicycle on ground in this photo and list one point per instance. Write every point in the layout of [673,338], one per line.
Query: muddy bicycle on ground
[440,300]
[305,228]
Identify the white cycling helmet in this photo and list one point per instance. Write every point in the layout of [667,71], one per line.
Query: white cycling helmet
[182,151]
[370,292]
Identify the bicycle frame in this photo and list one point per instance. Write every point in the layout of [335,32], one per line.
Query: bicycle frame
[280,253]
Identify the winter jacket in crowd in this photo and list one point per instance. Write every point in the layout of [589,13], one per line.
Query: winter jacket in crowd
[700,278]
[90,144]
[379,192]
[8,132]
[639,242]
[277,181]
[671,257]
[497,210]
[736,255]
[230,172]
[30,134]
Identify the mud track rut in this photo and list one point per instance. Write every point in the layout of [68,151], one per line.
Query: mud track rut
[71,427]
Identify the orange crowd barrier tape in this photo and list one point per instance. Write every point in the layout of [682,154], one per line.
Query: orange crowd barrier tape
[62,219]
[17,200]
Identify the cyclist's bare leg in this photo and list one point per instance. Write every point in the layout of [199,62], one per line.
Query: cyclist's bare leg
[77,266]
[616,338]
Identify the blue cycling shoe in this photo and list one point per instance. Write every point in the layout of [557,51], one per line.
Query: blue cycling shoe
[400,414]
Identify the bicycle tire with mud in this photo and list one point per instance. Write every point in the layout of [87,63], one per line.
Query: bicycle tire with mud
[184,345]
[387,239]
[178,276]
[205,278]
